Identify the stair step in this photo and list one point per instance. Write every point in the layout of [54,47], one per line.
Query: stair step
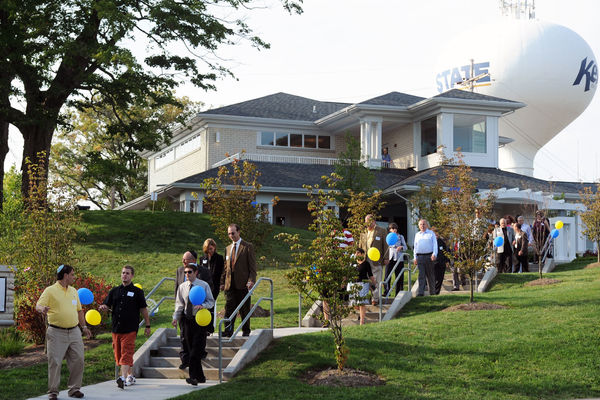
[211,341]
[175,373]
[173,351]
[174,362]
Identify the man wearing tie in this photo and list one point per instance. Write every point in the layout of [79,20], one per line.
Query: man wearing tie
[426,251]
[238,277]
[194,334]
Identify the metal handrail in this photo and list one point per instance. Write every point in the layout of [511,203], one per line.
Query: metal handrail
[386,281]
[241,324]
[155,288]
[300,307]
[156,307]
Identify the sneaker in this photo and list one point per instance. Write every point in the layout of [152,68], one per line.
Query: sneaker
[130,380]
[120,382]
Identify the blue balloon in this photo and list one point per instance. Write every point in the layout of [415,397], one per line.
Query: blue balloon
[253,204]
[197,295]
[391,239]
[554,233]
[85,296]
[499,241]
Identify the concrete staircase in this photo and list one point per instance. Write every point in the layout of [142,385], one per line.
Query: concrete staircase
[164,361]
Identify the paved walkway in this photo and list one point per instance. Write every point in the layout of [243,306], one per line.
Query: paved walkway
[158,389]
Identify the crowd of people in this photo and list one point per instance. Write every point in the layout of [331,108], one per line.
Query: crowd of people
[234,274]
[430,255]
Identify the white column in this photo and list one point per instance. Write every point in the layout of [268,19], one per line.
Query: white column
[200,208]
[270,205]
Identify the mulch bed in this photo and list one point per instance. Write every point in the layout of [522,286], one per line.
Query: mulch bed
[349,377]
[593,265]
[542,282]
[474,307]
[35,355]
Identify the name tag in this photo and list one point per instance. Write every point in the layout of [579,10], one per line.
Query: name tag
[204,261]
[377,238]
[226,257]
[74,302]
[130,294]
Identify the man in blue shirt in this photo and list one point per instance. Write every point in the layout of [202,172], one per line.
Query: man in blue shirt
[426,251]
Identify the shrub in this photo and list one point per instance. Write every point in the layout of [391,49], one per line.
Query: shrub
[11,343]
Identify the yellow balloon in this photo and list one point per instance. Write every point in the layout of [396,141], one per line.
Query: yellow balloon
[373,254]
[93,317]
[137,285]
[558,225]
[203,317]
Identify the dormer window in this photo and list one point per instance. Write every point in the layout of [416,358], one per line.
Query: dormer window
[470,133]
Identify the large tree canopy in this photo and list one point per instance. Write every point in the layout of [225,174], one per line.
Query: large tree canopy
[97,157]
[57,53]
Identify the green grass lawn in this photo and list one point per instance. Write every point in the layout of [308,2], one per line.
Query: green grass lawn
[545,345]
[153,244]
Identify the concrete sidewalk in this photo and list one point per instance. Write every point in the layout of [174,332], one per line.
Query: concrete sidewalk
[158,389]
[146,389]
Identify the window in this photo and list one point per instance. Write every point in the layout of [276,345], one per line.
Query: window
[295,140]
[470,133]
[428,136]
[266,139]
[324,142]
[164,158]
[281,139]
[188,146]
[310,141]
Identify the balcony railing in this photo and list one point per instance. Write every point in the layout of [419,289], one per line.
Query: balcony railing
[372,163]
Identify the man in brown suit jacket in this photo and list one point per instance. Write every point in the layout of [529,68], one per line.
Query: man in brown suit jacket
[374,236]
[238,277]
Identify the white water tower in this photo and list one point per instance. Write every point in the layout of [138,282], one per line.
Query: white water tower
[547,66]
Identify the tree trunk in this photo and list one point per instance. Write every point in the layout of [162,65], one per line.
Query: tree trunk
[3,153]
[598,250]
[36,150]
[472,279]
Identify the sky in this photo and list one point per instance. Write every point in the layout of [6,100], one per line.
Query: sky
[350,51]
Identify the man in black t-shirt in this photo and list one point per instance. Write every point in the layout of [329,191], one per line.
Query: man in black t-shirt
[126,302]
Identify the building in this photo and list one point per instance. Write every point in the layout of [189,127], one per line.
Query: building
[296,140]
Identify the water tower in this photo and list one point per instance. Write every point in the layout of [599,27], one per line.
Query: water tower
[547,66]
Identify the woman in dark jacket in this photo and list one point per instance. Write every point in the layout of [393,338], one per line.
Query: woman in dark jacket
[521,246]
[214,262]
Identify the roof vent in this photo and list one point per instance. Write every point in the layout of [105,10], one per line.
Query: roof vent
[314,109]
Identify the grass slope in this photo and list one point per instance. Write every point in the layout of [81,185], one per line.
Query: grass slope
[544,346]
[153,244]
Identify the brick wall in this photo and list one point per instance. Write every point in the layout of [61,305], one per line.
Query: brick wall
[400,146]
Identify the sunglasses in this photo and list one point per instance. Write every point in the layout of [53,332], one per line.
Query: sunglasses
[188,272]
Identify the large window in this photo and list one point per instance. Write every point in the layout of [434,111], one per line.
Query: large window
[297,140]
[469,133]
[429,136]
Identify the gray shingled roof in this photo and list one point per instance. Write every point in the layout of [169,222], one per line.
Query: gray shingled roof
[286,175]
[280,106]
[465,94]
[496,178]
[394,99]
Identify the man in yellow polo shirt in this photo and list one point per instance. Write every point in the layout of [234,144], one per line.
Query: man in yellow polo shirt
[60,303]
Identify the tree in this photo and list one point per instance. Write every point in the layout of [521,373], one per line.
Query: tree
[425,204]
[97,156]
[591,216]
[231,198]
[57,53]
[354,175]
[459,222]
[323,269]
[358,206]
